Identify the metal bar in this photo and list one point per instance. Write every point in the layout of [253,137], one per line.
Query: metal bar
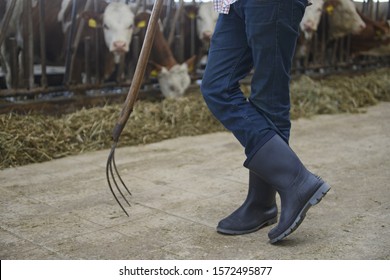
[97,46]
[28,46]
[14,62]
[388,11]
[42,37]
[69,49]
[87,54]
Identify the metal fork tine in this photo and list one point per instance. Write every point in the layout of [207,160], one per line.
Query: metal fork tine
[117,173]
[108,172]
[115,182]
[117,186]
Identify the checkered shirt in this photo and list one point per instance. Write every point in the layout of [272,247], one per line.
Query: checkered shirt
[223,6]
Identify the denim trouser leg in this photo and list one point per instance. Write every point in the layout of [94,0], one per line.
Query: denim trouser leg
[258,34]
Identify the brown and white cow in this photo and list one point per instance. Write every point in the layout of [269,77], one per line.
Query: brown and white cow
[173,78]
[116,19]
[373,40]
[335,19]
[343,18]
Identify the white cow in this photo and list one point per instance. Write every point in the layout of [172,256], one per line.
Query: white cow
[311,18]
[206,20]
[205,25]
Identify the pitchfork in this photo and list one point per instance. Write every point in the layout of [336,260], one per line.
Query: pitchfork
[112,174]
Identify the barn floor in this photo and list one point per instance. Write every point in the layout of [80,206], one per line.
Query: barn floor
[181,188]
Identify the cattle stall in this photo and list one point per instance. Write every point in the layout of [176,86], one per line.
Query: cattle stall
[55,52]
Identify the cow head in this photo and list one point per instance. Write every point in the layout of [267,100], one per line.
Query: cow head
[311,18]
[205,21]
[117,22]
[174,81]
[343,18]
[118,26]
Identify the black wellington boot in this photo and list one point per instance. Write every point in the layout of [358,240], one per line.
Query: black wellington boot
[258,210]
[298,188]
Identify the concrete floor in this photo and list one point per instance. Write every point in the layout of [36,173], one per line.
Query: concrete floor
[181,188]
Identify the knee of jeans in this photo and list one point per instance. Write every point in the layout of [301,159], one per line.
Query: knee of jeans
[205,88]
[210,96]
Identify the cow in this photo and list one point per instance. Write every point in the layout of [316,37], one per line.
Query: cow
[173,78]
[334,20]
[206,21]
[118,26]
[205,25]
[116,20]
[311,18]
[343,18]
[373,40]
[112,23]
[308,27]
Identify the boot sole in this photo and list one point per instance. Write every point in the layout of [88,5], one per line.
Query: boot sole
[239,232]
[315,199]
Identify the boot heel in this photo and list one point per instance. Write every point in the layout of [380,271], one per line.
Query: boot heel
[320,193]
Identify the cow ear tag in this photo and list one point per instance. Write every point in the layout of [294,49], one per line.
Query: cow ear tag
[192,15]
[141,24]
[330,9]
[92,23]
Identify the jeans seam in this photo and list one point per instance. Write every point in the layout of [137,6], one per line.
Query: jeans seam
[229,79]
[274,62]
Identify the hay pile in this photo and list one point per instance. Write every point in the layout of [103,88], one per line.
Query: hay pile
[338,94]
[33,138]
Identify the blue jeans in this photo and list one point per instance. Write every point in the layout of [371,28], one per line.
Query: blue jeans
[259,35]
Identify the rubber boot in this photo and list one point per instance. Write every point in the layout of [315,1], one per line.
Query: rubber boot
[258,210]
[298,188]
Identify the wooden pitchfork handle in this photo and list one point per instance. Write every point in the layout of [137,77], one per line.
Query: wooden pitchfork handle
[139,71]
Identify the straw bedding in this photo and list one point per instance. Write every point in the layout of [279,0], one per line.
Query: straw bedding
[31,138]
